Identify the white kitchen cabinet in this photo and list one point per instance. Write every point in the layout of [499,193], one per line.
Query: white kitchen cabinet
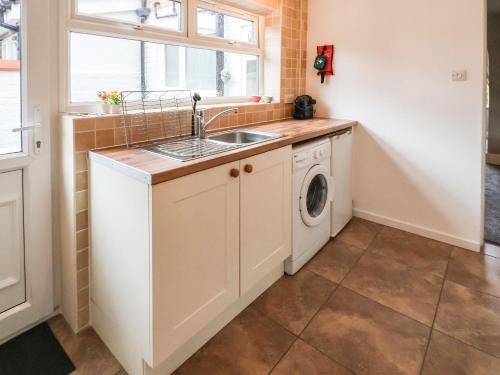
[195,254]
[265,214]
[172,263]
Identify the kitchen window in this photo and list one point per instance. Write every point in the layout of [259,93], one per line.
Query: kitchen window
[150,45]
[105,63]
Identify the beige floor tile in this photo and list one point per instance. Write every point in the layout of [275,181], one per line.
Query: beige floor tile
[302,359]
[475,271]
[335,260]
[470,316]
[367,337]
[294,300]
[359,233]
[395,285]
[449,356]
[417,252]
[251,344]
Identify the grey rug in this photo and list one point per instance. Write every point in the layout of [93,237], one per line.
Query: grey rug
[492,220]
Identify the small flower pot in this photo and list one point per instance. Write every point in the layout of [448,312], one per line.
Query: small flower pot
[114,109]
[105,108]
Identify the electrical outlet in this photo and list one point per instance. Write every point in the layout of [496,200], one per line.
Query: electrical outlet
[459,75]
[289,99]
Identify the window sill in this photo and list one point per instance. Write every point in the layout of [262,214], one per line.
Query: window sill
[262,105]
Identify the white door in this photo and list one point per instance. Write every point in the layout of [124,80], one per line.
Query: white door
[195,260]
[26,282]
[265,214]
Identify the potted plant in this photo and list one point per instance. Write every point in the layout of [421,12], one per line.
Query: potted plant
[110,100]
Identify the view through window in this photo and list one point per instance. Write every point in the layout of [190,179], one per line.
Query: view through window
[10,76]
[160,13]
[217,24]
[104,63]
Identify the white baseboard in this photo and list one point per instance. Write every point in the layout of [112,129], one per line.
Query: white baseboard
[419,230]
[493,159]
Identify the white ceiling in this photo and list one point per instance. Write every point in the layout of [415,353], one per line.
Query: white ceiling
[494,6]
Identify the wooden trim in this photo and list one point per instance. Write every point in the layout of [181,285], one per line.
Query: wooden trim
[493,159]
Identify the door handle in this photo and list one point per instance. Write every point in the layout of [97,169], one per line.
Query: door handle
[26,128]
[248,168]
[36,128]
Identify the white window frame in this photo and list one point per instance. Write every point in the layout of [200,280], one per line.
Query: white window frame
[187,37]
[226,10]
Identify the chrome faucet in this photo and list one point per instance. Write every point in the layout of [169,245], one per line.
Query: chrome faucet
[203,125]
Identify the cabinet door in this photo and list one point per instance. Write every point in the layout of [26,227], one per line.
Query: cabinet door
[195,261]
[265,214]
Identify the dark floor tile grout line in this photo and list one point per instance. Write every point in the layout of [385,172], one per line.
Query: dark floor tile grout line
[340,282]
[466,343]
[435,313]
[386,307]
[473,289]
[274,321]
[283,355]
[297,337]
[330,296]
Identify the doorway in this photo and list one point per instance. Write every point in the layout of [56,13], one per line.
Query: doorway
[26,281]
[492,179]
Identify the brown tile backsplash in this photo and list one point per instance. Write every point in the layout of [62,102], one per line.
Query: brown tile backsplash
[84,141]
[105,138]
[81,181]
[82,259]
[82,220]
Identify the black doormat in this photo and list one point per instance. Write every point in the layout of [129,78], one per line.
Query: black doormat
[492,219]
[35,352]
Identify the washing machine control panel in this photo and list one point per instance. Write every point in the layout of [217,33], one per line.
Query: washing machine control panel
[311,156]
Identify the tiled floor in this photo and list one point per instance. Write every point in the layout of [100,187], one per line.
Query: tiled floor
[374,301]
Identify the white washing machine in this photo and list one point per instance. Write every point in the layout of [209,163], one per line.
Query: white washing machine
[312,196]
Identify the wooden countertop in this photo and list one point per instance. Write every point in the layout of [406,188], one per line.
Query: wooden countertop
[154,169]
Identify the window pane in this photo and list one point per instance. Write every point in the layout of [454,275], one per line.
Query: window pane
[10,80]
[161,13]
[221,25]
[103,64]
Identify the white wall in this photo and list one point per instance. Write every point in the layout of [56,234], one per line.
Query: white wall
[418,152]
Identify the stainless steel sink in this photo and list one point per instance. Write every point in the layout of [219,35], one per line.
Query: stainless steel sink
[242,137]
[193,147]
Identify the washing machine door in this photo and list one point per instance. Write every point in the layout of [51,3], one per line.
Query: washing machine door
[316,195]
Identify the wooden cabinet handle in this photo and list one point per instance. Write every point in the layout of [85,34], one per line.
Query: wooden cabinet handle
[248,168]
[234,172]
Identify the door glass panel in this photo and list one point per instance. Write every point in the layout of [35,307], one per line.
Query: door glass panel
[165,14]
[212,23]
[317,195]
[10,77]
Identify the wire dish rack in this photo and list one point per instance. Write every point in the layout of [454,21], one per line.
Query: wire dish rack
[149,116]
